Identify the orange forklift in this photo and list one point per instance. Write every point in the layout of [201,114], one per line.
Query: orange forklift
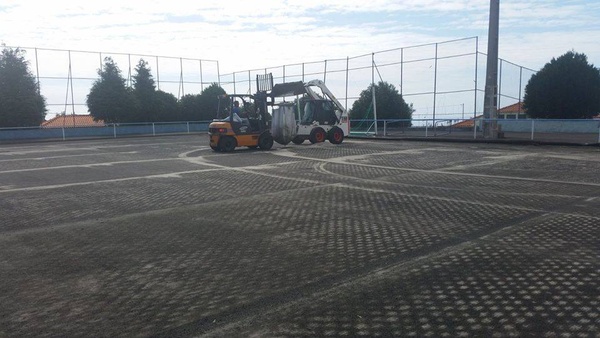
[246,120]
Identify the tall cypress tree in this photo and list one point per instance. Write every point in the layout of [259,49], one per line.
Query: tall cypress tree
[144,90]
[21,104]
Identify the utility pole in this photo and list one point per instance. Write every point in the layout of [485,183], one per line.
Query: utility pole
[490,108]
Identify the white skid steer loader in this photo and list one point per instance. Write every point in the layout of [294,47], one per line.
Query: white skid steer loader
[320,115]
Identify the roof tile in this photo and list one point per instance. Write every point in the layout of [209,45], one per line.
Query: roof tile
[73,120]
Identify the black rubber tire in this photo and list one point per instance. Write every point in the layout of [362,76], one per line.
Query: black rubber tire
[336,135]
[215,148]
[265,141]
[317,135]
[298,140]
[227,144]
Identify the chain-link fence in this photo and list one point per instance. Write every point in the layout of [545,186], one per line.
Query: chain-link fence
[65,77]
[443,80]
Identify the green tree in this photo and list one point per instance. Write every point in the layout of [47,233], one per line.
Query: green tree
[144,90]
[167,108]
[109,99]
[21,104]
[390,104]
[568,87]
[189,107]
[152,105]
[201,107]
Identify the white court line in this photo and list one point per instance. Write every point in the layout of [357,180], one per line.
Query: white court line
[66,185]
[255,170]
[343,160]
[65,156]
[322,169]
[50,149]
[91,165]
[195,160]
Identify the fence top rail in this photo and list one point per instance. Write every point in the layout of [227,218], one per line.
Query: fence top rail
[112,53]
[414,46]
[352,57]
[482,119]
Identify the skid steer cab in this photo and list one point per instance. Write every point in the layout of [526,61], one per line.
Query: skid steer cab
[243,121]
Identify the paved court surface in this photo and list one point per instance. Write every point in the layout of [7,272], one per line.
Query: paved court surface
[162,237]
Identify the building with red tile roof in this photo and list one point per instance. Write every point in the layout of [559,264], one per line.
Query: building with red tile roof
[73,120]
[514,111]
[467,123]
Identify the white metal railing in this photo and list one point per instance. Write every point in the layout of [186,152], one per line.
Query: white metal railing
[565,131]
[113,130]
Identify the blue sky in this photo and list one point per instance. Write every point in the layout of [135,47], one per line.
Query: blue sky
[255,34]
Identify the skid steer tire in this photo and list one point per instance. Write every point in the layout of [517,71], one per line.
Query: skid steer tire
[317,135]
[336,135]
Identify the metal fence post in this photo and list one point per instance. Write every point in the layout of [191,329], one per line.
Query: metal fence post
[188,127]
[234,87]
[63,132]
[249,82]
[114,130]
[153,130]
[435,69]
[373,91]
[347,71]
[157,76]
[532,128]
[201,79]
[384,127]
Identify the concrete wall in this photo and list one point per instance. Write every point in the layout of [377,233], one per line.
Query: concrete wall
[551,126]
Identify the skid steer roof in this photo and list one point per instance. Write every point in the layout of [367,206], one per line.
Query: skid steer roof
[288,89]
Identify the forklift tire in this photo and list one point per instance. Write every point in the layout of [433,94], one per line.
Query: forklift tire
[298,140]
[317,135]
[265,141]
[215,148]
[227,144]
[336,135]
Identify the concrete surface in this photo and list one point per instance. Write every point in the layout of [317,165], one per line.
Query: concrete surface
[162,237]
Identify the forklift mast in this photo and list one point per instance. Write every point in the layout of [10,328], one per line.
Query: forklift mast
[264,83]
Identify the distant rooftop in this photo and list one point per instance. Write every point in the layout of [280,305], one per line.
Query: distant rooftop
[513,108]
[73,120]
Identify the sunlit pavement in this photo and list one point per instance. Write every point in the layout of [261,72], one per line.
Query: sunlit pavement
[163,237]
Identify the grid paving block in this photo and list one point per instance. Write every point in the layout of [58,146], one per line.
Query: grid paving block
[89,202]
[366,238]
[488,289]
[549,168]
[196,264]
